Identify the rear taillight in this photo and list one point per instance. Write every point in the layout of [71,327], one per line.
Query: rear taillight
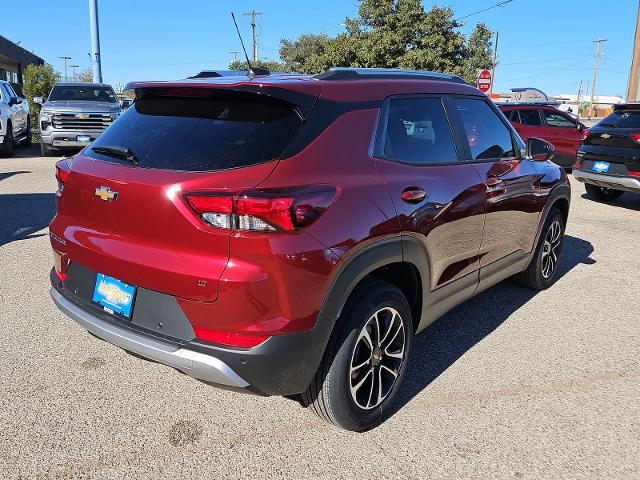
[585,133]
[635,137]
[634,174]
[63,169]
[263,210]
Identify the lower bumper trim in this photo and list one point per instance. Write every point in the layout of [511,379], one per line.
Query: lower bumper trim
[195,364]
[608,181]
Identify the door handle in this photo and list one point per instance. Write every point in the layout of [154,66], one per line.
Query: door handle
[492,181]
[413,195]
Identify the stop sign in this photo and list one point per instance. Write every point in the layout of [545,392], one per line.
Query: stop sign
[484,81]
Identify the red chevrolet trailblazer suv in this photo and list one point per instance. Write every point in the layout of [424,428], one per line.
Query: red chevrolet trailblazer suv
[544,120]
[290,234]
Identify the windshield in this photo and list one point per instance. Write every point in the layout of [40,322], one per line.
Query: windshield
[622,119]
[83,93]
[225,130]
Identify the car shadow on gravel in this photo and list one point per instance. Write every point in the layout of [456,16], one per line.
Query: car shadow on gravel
[437,347]
[24,214]
[630,201]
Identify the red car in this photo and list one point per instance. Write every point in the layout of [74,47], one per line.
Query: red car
[543,120]
[289,234]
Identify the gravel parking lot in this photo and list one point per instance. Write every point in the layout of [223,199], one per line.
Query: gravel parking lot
[511,384]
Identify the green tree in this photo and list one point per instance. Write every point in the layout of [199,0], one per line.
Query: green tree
[38,80]
[394,34]
[478,53]
[86,75]
[271,65]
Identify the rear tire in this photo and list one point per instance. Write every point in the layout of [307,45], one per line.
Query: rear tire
[47,151]
[542,270]
[8,145]
[602,194]
[365,360]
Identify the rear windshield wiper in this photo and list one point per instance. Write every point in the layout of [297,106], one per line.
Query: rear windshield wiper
[118,152]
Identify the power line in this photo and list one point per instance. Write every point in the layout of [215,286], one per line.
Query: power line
[498,4]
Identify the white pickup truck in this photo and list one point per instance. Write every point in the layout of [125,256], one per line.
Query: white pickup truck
[15,122]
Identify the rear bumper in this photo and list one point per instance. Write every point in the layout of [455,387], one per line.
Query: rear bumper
[195,364]
[627,184]
[282,365]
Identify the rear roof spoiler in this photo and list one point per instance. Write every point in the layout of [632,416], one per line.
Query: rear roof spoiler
[626,106]
[303,102]
[347,73]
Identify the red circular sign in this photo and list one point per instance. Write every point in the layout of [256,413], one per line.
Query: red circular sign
[484,81]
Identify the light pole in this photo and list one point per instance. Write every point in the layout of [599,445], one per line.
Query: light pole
[74,72]
[95,41]
[66,78]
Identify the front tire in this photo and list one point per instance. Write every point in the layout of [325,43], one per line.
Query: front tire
[602,194]
[543,268]
[8,146]
[365,360]
[47,151]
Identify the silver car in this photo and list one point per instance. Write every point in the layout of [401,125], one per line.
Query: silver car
[14,120]
[74,115]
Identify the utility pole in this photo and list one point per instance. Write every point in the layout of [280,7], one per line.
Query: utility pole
[253,14]
[598,43]
[633,88]
[578,99]
[95,41]
[66,78]
[495,63]
[73,77]
[235,55]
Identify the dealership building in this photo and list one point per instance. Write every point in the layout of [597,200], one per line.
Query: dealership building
[13,60]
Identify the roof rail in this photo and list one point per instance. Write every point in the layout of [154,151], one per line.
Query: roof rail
[626,106]
[348,73]
[229,73]
[532,102]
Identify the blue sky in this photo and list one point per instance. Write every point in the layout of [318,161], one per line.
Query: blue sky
[546,44]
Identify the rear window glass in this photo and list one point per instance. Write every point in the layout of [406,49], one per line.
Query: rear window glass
[225,130]
[622,119]
[82,94]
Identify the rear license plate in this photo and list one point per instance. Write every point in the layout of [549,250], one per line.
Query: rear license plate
[113,295]
[600,167]
[83,138]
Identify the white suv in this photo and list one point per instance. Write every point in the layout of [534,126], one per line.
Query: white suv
[15,122]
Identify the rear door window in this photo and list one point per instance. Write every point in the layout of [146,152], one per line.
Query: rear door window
[488,137]
[418,132]
[220,131]
[622,119]
[530,117]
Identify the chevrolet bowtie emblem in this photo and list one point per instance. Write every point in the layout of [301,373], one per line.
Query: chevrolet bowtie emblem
[605,135]
[106,194]
[82,116]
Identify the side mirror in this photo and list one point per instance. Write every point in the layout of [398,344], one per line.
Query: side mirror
[539,150]
[38,100]
[14,101]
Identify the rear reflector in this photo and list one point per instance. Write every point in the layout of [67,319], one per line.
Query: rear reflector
[635,137]
[263,210]
[63,169]
[231,339]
